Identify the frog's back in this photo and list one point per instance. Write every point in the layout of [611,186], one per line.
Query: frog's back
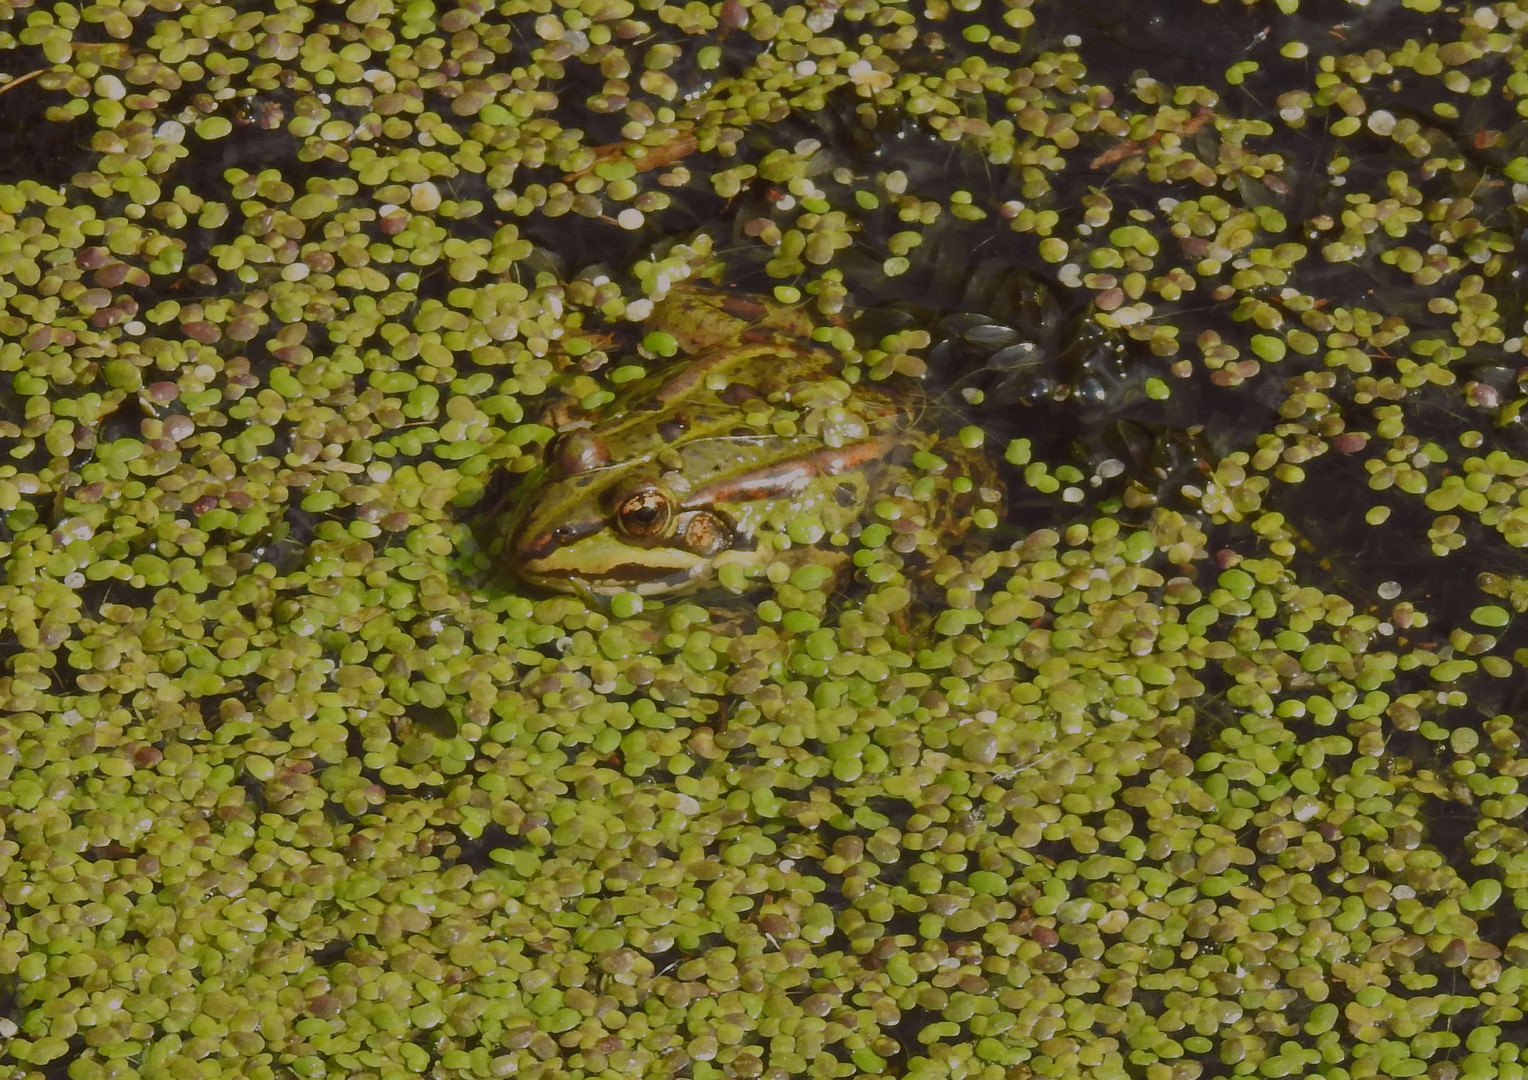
[751,405]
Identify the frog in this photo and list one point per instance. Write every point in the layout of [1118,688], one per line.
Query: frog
[753,451]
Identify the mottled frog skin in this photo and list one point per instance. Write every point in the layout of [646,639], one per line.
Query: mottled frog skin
[748,450]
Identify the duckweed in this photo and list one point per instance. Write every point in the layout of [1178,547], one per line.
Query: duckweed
[1205,759]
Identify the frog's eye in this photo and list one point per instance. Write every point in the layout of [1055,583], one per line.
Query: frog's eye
[644,512]
[575,452]
[706,534]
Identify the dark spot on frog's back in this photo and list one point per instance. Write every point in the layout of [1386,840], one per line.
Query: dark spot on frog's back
[671,429]
[741,306]
[845,495]
[737,393]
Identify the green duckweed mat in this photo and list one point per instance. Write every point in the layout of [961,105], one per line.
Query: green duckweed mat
[1208,766]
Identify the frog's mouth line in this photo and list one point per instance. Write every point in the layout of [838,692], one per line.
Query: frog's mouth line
[645,578]
[618,576]
[625,574]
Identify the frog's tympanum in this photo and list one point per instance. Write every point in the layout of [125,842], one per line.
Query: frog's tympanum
[749,449]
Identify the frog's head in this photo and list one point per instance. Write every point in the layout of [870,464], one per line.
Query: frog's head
[586,524]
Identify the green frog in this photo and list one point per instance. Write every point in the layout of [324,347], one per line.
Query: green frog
[748,450]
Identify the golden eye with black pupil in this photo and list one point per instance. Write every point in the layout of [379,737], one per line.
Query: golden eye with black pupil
[707,534]
[644,512]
